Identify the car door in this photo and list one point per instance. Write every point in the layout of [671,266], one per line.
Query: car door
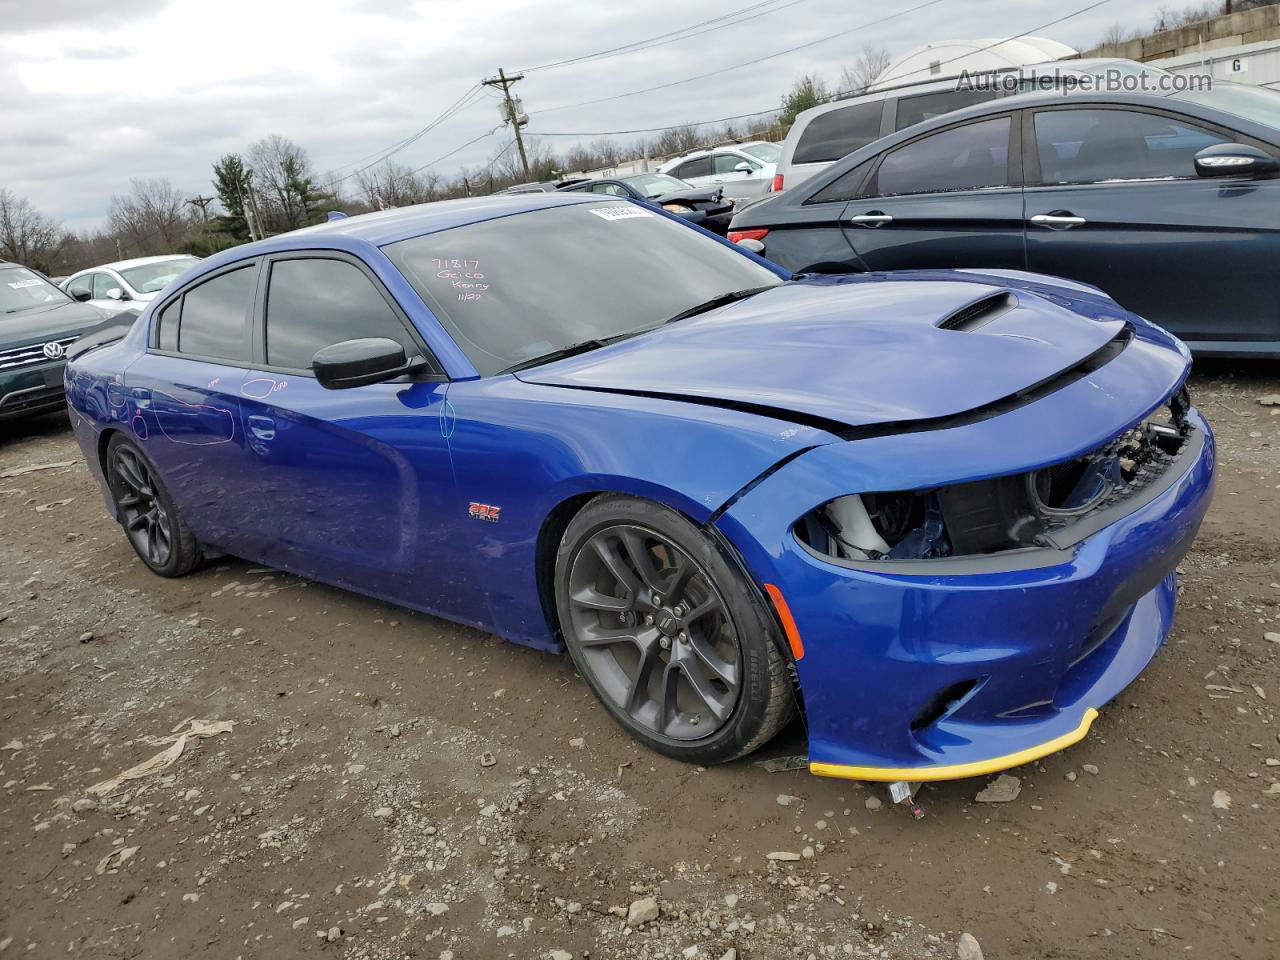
[737,183]
[103,285]
[697,171]
[950,198]
[1113,199]
[358,482]
[181,400]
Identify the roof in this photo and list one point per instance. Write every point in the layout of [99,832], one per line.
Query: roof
[987,53]
[139,261]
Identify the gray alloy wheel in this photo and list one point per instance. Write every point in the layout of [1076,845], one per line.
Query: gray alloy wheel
[149,517]
[670,636]
[653,631]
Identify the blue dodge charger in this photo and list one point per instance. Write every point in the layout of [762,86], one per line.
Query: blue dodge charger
[938,513]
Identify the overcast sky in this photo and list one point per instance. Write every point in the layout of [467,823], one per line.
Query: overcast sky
[95,92]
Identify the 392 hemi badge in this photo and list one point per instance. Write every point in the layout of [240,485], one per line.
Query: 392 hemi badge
[484,511]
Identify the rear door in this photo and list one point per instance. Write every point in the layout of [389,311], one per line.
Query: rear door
[950,198]
[697,171]
[359,482]
[180,400]
[1113,199]
[734,182]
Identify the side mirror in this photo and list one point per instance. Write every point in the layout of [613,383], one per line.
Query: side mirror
[1234,159]
[82,296]
[752,244]
[357,363]
[742,167]
[115,293]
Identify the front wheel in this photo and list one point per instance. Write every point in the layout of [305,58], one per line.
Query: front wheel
[670,637]
[147,513]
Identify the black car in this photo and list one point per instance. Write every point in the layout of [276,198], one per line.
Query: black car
[38,324]
[705,206]
[1169,203]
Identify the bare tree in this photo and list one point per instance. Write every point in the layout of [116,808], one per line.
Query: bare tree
[395,185]
[152,219]
[857,76]
[27,236]
[1115,35]
[284,175]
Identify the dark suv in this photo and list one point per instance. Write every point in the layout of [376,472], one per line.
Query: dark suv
[38,322]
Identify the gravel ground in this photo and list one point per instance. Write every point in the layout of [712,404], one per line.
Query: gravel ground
[363,781]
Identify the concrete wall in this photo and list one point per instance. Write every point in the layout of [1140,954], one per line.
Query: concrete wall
[1232,30]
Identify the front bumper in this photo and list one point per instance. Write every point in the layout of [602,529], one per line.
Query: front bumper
[32,390]
[959,669]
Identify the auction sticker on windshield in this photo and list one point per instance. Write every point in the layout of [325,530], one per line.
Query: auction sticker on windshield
[620,211]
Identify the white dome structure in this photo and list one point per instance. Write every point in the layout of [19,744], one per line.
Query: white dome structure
[950,58]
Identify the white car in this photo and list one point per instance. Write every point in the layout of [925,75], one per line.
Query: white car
[743,170]
[115,287]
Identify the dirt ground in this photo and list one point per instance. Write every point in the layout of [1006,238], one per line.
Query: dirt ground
[396,786]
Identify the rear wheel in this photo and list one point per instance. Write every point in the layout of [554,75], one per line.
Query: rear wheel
[147,513]
[669,636]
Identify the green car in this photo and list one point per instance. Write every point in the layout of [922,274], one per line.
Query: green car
[38,323]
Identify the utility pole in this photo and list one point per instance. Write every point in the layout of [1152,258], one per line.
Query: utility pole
[119,250]
[256,226]
[511,112]
[203,204]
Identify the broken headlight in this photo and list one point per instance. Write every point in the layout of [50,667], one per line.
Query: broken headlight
[1004,513]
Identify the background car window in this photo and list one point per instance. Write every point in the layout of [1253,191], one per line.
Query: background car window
[832,135]
[168,324]
[314,303]
[912,110]
[960,158]
[81,285]
[701,167]
[102,282]
[611,189]
[215,317]
[844,187]
[153,277]
[1089,146]
[764,152]
[728,163]
[22,289]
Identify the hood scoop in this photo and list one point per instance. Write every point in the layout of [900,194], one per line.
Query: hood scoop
[979,313]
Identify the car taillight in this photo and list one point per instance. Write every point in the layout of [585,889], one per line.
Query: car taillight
[737,236]
[777,183]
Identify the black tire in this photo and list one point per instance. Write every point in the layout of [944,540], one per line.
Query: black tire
[666,631]
[149,517]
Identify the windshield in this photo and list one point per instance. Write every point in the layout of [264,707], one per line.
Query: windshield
[767,152]
[23,289]
[1250,103]
[154,277]
[656,184]
[522,286]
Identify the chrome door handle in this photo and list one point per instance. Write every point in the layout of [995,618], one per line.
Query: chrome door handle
[871,219]
[1052,220]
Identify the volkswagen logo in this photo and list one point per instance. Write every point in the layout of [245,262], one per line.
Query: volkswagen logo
[54,350]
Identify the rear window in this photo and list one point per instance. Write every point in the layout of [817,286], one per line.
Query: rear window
[913,110]
[829,136]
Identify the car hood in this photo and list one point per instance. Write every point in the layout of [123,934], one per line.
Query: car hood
[851,352]
[697,194]
[52,321]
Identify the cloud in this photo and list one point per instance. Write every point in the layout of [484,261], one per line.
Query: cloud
[89,101]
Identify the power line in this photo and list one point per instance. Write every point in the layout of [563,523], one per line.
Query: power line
[464,101]
[690,123]
[673,36]
[746,63]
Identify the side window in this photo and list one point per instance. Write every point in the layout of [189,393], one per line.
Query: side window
[612,189]
[81,285]
[102,282]
[215,316]
[844,187]
[313,303]
[829,136]
[960,158]
[167,322]
[912,110]
[728,163]
[1089,146]
[701,167]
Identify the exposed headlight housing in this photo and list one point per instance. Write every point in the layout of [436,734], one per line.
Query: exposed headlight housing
[1013,512]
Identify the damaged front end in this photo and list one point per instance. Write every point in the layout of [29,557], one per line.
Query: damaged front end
[1050,508]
